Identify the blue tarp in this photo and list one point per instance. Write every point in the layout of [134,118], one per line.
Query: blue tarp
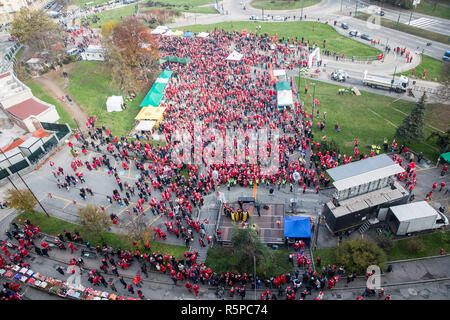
[297,227]
[188,34]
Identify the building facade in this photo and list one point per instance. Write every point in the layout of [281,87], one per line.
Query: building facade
[8,8]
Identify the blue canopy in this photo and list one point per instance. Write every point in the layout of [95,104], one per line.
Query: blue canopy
[188,34]
[297,227]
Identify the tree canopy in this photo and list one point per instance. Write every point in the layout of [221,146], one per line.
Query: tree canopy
[36,29]
[412,126]
[94,219]
[21,200]
[247,245]
[358,254]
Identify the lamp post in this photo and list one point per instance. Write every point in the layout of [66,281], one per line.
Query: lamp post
[301,15]
[314,98]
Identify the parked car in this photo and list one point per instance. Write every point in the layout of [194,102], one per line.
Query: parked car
[278,18]
[366,36]
[446,56]
[381,13]
[253,18]
[344,26]
[354,33]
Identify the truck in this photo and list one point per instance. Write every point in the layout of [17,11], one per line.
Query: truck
[413,217]
[399,85]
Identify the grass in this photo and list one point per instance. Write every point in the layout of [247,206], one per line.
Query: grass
[297,29]
[426,7]
[53,226]
[408,29]
[41,94]
[432,244]
[90,85]
[370,118]
[82,3]
[222,260]
[433,67]
[112,15]
[282,4]
[327,257]
[400,251]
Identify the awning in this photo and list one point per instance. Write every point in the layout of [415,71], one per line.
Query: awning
[178,33]
[203,35]
[174,59]
[297,227]
[156,92]
[284,93]
[145,125]
[446,157]
[188,34]
[235,56]
[279,72]
[151,113]
[160,30]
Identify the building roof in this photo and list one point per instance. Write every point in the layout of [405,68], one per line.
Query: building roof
[41,133]
[29,142]
[368,200]
[363,171]
[415,210]
[13,145]
[27,108]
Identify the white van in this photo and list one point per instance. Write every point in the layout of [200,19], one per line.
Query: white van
[73,51]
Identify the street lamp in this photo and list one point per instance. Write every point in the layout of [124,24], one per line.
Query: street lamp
[301,15]
[314,96]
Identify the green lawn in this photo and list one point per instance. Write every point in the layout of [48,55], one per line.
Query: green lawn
[53,226]
[221,260]
[424,7]
[90,85]
[82,3]
[299,29]
[112,15]
[400,251]
[370,117]
[433,67]
[432,244]
[40,93]
[408,29]
[283,4]
[429,8]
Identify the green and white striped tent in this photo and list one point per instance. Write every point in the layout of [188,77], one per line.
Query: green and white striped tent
[284,94]
[156,93]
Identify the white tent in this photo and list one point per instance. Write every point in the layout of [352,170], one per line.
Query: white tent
[145,125]
[279,72]
[160,30]
[235,56]
[114,103]
[168,33]
[203,35]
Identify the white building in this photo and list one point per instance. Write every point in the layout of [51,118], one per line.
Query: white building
[21,106]
[8,8]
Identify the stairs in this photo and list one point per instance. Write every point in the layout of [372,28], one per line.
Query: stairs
[366,225]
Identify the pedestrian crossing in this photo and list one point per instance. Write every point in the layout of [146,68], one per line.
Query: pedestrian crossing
[423,22]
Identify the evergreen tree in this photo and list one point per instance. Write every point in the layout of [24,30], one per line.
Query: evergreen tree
[412,126]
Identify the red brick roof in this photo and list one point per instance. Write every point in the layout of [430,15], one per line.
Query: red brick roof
[27,108]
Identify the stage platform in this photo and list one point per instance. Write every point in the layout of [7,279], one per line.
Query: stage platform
[269,230]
